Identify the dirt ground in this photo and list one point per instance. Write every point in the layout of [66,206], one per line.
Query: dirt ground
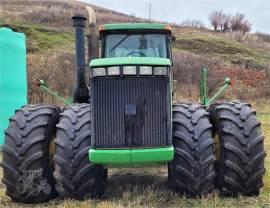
[147,187]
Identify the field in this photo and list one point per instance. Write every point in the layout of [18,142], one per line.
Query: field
[147,188]
[50,56]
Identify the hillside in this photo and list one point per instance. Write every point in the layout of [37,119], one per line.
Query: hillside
[50,56]
[49,31]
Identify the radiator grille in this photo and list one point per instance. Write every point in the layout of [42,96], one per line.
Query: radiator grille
[130,112]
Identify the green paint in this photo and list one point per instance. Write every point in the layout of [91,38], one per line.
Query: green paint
[130,61]
[131,157]
[220,92]
[43,86]
[152,155]
[97,156]
[203,86]
[136,26]
[205,100]
[134,165]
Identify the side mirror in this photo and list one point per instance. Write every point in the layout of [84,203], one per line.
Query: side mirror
[173,38]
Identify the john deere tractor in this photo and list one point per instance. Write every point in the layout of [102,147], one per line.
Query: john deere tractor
[126,118]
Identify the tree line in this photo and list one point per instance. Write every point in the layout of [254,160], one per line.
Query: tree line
[223,22]
[229,23]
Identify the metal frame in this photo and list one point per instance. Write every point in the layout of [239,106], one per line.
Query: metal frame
[205,100]
[43,86]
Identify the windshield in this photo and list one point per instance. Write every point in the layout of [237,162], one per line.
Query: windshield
[135,45]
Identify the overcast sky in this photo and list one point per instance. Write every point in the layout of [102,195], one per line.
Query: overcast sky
[256,11]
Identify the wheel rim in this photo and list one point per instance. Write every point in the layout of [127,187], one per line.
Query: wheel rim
[217,147]
[52,150]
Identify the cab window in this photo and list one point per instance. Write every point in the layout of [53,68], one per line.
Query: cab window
[135,45]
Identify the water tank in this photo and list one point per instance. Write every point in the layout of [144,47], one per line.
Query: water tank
[13,82]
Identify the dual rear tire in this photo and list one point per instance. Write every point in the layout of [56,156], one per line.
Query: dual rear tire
[37,167]
[26,161]
[75,176]
[240,153]
[234,162]
[192,170]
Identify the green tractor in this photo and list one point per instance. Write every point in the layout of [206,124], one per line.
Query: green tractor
[126,118]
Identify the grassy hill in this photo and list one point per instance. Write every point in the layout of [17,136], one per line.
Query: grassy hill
[48,23]
[216,45]
[48,27]
[50,46]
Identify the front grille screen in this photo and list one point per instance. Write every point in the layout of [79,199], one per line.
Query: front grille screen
[130,112]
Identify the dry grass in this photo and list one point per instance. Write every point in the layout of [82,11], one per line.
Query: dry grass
[57,13]
[146,187]
[128,187]
[48,27]
[251,53]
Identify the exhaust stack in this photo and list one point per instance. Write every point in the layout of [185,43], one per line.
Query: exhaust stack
[81,91]
[93,37]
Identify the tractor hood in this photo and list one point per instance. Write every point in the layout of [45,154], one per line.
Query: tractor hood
[151,61]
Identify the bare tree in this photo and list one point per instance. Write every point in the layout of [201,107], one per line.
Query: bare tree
[214,19]
[239,23]
[246,26]
[193,23]
[222,19]
[227,24]
[219,20]
[236,22]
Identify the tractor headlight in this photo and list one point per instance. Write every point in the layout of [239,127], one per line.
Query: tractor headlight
[160,71]
[114,70]
[129,70]
[99,72]
[146,70]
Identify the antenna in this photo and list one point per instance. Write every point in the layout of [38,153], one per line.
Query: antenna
[150,11]
[164,10]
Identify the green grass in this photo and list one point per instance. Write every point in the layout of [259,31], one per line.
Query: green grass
[42,38]
[265,120]
[146,187]
[224,48]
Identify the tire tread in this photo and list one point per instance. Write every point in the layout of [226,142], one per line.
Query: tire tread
[241,167]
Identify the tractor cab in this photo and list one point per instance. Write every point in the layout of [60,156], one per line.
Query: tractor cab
[135,40]
[133,45]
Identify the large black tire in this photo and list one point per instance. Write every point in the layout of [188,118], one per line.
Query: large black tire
[192,170]
[240,164]
[75,176]
[28,174]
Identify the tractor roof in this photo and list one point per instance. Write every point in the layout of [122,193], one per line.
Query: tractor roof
[135,26]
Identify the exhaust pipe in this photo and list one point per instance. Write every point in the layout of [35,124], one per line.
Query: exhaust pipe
[81,91]
[93,37]
[93,50]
